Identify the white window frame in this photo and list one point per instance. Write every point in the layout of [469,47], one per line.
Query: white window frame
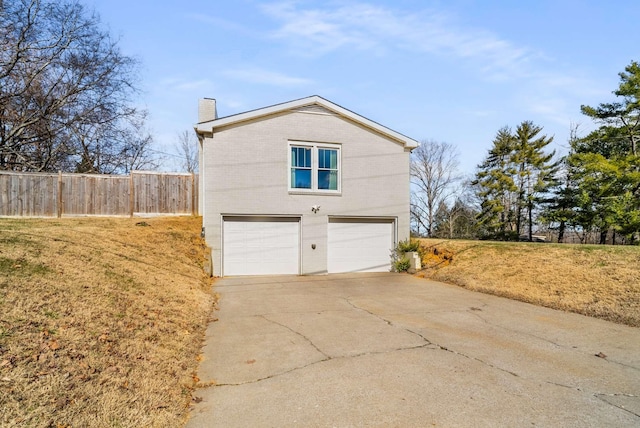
[314,166]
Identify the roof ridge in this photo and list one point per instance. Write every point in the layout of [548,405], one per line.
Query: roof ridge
[208,126]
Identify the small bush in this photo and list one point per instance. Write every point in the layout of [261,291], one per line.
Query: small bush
[409,245]
[401,265]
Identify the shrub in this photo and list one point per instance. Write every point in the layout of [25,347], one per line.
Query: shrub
[408,245]
[401,265]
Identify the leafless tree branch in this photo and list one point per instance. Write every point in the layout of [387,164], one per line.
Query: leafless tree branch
[433,176]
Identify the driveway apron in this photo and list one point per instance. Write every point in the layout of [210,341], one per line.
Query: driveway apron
[392,350]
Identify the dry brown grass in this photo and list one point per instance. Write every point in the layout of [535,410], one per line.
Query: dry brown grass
[599,281]
[101,321]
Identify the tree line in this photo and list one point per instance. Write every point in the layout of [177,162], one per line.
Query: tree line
[521,188]
[66,92]
[68,95]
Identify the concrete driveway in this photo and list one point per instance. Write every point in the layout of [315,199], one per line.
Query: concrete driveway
[392,350]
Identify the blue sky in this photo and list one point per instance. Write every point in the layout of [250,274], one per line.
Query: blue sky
[453,71]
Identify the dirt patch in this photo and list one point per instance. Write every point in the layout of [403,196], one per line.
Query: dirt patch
[599,281]
[435,258]
[101,320]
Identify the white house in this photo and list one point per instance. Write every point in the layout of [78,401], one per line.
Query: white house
[302,187]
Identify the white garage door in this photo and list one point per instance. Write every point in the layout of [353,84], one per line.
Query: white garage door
[260,246]
[359,245]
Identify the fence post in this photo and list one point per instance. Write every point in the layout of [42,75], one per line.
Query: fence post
[52,194]
[59,194]
[132,199]
[193,194]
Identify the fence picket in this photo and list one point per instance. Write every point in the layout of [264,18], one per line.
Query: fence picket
[25,194]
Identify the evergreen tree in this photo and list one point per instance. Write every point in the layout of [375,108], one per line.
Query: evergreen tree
[456,222]
[620,121]
[606,163]
[496,187]
[560,201]
[596,179]
[536,171]
[512,179]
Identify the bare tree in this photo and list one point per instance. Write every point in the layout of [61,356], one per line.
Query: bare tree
[66,90]
[458,219]
[118,150]
[188,149]
[433,176]
[417,212]
[137,154]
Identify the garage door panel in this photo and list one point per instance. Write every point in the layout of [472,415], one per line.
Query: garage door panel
[264,247]
[359,246]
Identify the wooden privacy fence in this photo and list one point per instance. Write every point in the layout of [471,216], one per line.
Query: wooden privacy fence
[63,194]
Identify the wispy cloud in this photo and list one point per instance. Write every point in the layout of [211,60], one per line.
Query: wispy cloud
[543,85]
[218,22]
[361,26]
[557,94]
[180,84]
[257,75]
[193,85]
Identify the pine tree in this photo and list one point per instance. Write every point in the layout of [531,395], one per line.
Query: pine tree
[512,179]
[597,187]
[606,163]
[496,187]
[620,121]
[536,171]
[560,201]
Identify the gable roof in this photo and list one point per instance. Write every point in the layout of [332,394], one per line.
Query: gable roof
[209,126]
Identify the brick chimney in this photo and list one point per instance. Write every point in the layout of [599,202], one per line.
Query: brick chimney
[207,110]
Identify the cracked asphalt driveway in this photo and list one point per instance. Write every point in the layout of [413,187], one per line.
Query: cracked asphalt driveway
[392,350]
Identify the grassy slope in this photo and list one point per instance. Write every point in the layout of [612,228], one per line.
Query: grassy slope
[599,281]
[101,320]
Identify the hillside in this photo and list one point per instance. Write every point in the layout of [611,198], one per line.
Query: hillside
[101,320]
[595,280]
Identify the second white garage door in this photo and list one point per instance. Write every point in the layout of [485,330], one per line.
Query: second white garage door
[261,246]
[358,245]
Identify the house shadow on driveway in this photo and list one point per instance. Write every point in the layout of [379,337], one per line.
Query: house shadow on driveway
[394,350]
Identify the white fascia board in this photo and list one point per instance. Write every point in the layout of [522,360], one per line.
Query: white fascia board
[409,143]
[207,127]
